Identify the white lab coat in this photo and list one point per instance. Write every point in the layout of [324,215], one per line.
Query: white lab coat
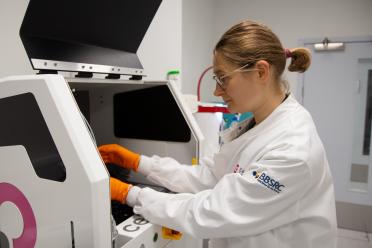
[268,187]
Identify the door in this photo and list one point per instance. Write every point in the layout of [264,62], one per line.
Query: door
[337,91]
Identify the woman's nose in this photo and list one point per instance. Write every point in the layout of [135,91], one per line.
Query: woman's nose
[218,91]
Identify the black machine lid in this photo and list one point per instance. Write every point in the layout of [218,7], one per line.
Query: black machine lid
[99,36]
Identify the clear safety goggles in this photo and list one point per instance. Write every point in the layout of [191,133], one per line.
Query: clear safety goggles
[222,80]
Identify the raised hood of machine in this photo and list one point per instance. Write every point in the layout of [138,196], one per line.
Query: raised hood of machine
[92,36]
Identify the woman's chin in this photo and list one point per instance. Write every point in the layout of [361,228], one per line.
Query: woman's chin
[231,108]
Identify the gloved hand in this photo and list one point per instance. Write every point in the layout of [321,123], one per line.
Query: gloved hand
[119,155]
[119,190]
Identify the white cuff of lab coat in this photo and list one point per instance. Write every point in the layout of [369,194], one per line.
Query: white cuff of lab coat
[133,196]
[145,165]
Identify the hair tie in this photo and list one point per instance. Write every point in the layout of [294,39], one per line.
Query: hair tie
[288,53]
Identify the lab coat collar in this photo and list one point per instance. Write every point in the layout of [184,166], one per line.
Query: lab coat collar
[239,129]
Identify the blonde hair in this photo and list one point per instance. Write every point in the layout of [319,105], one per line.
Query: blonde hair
[248,42]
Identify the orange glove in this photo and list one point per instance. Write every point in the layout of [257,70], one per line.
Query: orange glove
[116,154]
[119,190]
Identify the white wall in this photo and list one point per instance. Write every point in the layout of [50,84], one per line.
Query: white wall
[13,57]
[291,20]
[197,27]
[159,52]
[161,48]
[183,33]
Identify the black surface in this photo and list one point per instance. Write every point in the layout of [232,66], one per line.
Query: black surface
[118,172]
[22,123]
[120,212]
[368,116]
[45,48]
[4,242]
[151,114]
[106,32]
[82,99]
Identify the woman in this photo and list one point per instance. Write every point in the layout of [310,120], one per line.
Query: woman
[270,184]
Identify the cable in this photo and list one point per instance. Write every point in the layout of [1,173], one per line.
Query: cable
[200,80]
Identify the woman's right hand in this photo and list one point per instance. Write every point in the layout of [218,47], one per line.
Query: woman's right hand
[119,190]
[116,154]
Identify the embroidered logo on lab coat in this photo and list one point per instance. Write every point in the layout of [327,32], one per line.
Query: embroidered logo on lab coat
[238,169]
[268,181]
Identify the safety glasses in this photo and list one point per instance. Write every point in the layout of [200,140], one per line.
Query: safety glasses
[222,80]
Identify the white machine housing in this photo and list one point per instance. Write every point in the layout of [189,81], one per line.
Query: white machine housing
[54,187]
[72,207]
[101,93]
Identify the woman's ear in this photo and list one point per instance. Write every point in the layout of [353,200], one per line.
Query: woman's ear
[263,68]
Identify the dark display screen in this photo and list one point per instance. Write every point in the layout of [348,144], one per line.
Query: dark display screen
[151,114]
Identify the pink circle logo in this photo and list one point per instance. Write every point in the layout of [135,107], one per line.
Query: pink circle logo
[10,193]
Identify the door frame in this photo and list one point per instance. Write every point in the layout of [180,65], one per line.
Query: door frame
[300,89]
[349,215]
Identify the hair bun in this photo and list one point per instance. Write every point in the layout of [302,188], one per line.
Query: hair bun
[300,59]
